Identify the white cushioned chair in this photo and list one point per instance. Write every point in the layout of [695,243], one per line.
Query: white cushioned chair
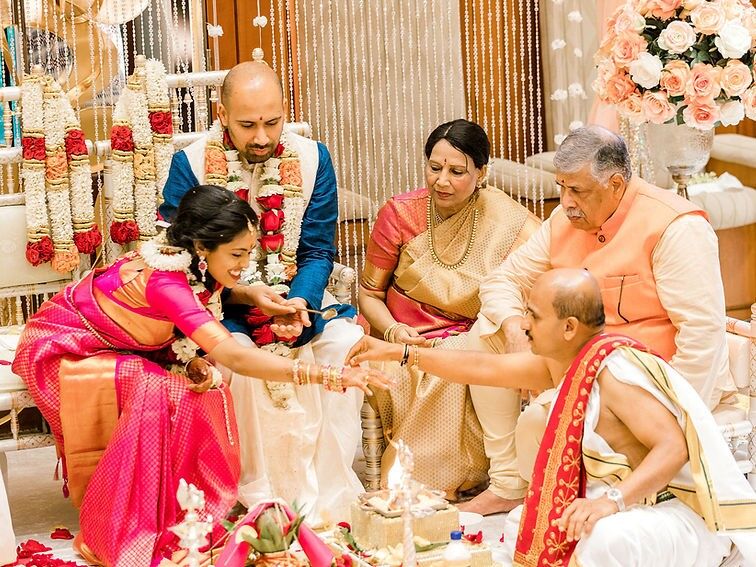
[23,288]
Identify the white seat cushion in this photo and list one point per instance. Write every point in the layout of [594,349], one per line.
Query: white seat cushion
[739,350]
[353,206]
[728,209]
[9,382]
[735,148]
[544,161]
[14,269]
[519,179]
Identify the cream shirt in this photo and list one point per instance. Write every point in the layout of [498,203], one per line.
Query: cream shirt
[685,264]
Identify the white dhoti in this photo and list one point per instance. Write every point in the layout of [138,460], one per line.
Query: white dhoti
[671,532]
[302,453]
[7,538]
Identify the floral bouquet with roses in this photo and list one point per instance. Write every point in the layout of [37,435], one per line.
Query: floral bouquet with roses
[683,61]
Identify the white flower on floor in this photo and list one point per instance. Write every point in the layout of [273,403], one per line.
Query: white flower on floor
[558,44]
[559,94]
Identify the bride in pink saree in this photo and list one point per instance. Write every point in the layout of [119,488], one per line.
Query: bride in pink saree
[428,252]
[103,361]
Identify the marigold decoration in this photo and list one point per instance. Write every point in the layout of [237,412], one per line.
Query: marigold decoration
[283,205]
[683,61]
[56,178]
[141,142]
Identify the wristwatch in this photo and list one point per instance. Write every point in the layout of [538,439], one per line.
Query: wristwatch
[615,495]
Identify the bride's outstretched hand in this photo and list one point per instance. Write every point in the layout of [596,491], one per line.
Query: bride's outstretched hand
[372,349]
[363,377]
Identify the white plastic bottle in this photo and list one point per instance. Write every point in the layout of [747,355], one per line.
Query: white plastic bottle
[457,553]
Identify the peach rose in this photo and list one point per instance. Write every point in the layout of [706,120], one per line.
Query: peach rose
[628,20]
[702,115]
[663,9]
[619,87]
[677,37]
[708,17]
[703,83]
[627,47]
[657,108]
[749,102]
[691,4]
[674,77]
[735,78]
[632,108]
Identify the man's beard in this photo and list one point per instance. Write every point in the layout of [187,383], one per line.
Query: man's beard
[252,157]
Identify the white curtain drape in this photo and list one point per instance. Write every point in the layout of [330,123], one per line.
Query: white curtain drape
[569,38]
[375,78]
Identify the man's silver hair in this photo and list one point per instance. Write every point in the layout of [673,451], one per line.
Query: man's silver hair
[602,148]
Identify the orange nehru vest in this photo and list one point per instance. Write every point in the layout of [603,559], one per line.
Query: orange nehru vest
[619,257]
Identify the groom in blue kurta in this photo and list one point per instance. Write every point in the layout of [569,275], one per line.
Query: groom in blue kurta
[300,449]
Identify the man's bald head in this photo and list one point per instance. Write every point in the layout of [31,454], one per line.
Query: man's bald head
[575,293]
[248,78]
[252,110]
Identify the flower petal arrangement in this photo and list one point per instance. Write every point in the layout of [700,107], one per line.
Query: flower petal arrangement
[683,61]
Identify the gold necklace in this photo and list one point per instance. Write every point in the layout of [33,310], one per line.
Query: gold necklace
[431,216]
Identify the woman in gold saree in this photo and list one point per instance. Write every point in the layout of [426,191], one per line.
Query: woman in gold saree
[428,252]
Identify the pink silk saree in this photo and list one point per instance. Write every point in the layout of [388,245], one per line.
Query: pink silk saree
[152,431]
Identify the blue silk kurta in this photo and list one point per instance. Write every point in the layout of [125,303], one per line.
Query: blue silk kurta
[316,248]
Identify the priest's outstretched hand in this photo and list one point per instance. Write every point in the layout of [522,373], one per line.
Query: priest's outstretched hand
[369,349]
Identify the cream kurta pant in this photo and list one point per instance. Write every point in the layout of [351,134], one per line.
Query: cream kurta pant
[497,410]
[303,454]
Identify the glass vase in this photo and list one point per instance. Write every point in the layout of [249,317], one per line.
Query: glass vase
[683,150]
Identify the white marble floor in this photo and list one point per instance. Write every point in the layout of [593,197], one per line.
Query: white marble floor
[38,506]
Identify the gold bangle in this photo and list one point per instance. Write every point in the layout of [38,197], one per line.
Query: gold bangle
[415,358]
[307,377]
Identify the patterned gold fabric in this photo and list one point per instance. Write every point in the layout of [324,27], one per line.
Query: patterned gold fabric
[434,417]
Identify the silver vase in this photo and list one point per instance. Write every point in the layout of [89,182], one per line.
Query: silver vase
[683,150]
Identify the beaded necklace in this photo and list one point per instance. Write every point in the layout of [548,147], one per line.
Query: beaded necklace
[432,218]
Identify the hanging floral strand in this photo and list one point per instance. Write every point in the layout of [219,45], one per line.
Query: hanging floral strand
[39,246]
[142,147]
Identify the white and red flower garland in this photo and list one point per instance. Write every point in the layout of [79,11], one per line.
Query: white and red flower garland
[141,142]
[56,178]
[282,201]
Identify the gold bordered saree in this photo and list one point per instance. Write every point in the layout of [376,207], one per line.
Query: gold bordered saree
[434,417]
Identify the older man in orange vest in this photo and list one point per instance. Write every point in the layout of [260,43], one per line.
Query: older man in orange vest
[656,259]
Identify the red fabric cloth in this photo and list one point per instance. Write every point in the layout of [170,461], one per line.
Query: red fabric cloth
[559,473]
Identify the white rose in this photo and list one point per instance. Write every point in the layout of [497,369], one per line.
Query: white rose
[578,52]
[558,44]
[690,4]
[646,70]
[575,16]
[733,40]
[731,113]
[677,37]
[575,124]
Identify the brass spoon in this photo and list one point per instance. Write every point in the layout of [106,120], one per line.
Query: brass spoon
[326,314]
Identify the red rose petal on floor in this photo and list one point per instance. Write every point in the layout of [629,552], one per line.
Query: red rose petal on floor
[61,533]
